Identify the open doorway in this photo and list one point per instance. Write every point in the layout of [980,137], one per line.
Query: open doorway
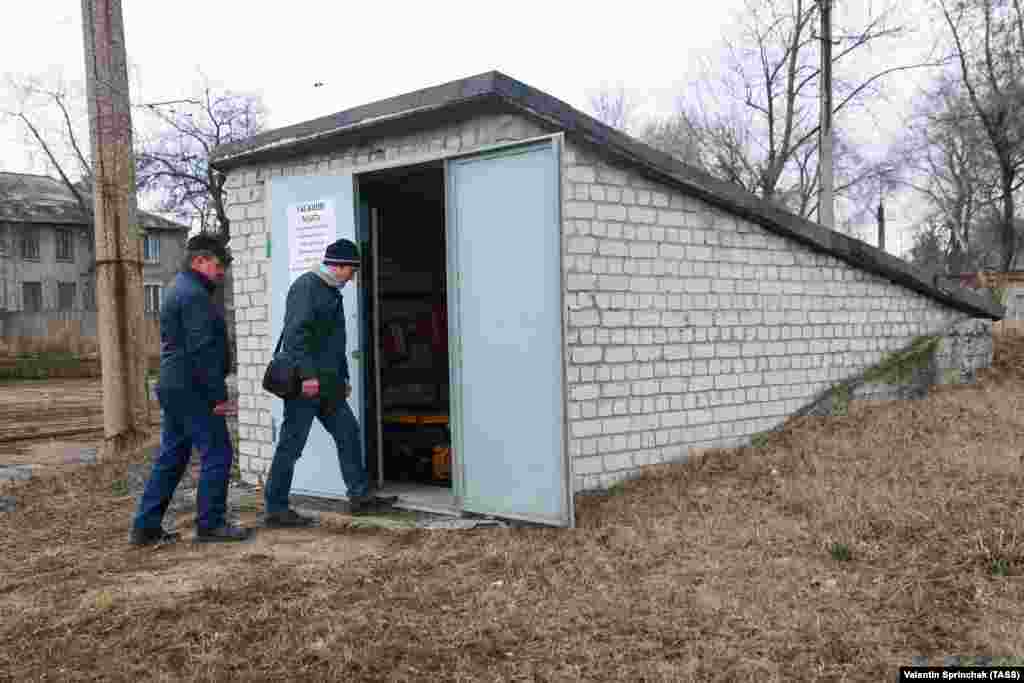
[408,406]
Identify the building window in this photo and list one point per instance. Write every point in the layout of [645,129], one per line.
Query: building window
[89,296]
[153,299]
[65,245]
[30,244]
[32,297]
[151,249]
[66,296]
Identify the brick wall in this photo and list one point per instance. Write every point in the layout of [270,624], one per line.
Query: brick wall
[689,327]
[251,268]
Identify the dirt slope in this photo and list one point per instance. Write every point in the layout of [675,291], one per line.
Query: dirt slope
[838,551]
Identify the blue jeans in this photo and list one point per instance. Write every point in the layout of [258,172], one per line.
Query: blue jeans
[188,422]
[341,424]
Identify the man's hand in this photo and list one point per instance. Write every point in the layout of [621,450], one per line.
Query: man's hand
[310,387]
[226,408]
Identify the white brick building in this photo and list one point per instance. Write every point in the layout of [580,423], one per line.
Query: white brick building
[607,306]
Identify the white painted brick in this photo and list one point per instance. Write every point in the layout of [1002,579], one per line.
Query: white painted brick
[615,425]
[579,210]
[643,284]
[618,354]
[672,251]
[638,250]
[577,281]
[612,248]
[582,245]
[611,212]
[585,392]
[613,282]
[647,318]
[640,214]
[581,174]
[584,318]
[588,354]
[610,176]
[585,428]
[588,465]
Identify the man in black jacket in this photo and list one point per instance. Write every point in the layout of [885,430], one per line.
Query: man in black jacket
[314,338]
[194,362]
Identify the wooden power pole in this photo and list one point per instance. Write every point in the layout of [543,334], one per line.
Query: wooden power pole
[825,197]
[118,245]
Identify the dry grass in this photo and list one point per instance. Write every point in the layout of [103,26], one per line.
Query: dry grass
[720,569]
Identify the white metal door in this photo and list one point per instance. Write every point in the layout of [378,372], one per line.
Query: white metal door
[306,214]
[507,360]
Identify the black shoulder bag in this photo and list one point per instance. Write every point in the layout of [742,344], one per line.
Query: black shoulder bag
[281,377]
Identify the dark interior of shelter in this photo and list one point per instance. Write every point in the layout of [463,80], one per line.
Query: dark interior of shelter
[406,305]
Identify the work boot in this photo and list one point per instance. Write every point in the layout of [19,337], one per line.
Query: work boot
[152,537]
[289,519]
[367,505]
[224,534]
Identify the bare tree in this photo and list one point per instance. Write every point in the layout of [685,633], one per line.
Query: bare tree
[613,108]
[988,41]
[171,158]
[49,114]
[175,161]
[675,135]
[757,121]
[930,248]
[944,158]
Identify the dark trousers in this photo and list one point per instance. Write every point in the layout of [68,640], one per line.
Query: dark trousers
[340,423]
[187,422]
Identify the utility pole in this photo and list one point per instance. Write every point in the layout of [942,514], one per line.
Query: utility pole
[825,196]
[881,224]
[118,244]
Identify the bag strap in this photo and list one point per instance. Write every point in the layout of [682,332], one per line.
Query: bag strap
[279,340]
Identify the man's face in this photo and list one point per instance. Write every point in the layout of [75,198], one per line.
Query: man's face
[210,266]
[343,274]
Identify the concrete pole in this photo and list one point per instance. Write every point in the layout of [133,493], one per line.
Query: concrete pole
[825,198]
[119,290]
[881,224]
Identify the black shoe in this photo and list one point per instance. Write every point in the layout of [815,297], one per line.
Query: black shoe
[289,519]
[223,534]
[152,537]
[368,505]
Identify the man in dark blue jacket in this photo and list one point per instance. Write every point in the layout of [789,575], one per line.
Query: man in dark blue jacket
[194,362]
[313,337]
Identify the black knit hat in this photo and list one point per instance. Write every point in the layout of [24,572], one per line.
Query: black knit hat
[342,253]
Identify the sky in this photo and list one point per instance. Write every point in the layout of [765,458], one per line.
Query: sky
[363,52]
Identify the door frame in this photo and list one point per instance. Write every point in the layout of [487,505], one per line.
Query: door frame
[276,406]
[557,143]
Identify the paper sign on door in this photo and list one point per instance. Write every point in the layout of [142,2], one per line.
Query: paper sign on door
[311,227]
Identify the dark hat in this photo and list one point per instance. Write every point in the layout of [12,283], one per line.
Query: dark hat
[342,253]
[211,244]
